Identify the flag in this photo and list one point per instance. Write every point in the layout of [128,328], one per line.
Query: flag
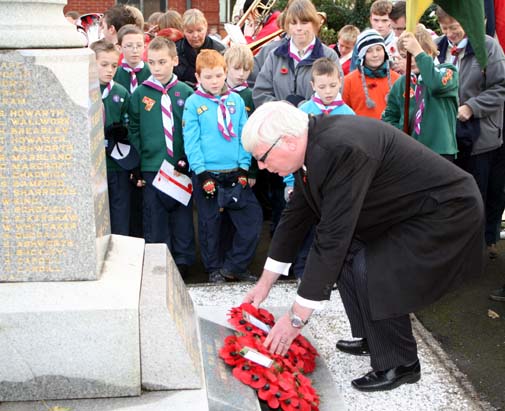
[415,10]
[499,12]
[468,13]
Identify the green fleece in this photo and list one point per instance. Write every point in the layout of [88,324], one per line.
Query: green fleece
[116,106]
[146,125]
[440,94]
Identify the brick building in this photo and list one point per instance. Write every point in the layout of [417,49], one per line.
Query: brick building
[217,12]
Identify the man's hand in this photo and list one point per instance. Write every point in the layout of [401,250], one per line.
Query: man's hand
[260,291]
[281,336]
[464,113]
[257,295]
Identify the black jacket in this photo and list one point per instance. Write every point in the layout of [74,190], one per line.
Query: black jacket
[185,70]
[420,217]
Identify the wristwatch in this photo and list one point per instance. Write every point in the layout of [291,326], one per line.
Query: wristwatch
[296,320]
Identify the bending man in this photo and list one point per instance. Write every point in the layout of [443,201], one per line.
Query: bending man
[397,227]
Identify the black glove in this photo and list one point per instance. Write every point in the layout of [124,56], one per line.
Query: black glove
[116,132]
[182,165]
[208,184]
[242,177]
[295,99]
[136,176]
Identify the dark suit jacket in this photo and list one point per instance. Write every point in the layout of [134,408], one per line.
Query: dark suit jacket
[420,217]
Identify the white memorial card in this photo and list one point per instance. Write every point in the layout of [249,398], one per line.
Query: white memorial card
[178,187]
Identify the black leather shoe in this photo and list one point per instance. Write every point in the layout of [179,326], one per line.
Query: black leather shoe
[389,379]
[355,347]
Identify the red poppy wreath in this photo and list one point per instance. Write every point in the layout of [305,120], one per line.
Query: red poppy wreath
[279,381]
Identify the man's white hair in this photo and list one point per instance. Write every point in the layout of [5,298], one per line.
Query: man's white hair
[271,121]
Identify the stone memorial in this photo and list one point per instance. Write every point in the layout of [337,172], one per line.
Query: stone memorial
[170,352]
[69,325]
[74,339]
[53,187]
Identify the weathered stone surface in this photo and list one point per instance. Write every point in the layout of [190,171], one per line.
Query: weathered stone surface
[168,326]
[74,339]
[53,188]
[37,24]
[224,391]
[183,400]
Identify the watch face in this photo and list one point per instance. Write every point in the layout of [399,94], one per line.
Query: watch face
[296,322]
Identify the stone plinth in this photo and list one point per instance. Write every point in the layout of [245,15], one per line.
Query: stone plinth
[168,326]
[74,339]
[37,24]
[53,189]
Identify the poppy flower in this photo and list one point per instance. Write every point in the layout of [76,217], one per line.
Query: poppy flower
[284,70]
[270,394]
[283,385]
[230,353]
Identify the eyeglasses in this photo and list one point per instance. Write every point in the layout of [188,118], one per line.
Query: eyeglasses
[138,46]
[264,157]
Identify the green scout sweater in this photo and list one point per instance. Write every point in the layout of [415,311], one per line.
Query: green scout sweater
[440,93]
[116,106]
[124,78]
[146,125]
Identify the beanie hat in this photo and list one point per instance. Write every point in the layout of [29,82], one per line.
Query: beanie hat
[367,39]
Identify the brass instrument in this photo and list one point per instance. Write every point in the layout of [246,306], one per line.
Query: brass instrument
[256,46]
[262,11]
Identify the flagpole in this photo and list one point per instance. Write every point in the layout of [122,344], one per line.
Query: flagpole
[406,108]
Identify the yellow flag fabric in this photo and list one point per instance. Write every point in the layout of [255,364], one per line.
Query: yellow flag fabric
[415,9]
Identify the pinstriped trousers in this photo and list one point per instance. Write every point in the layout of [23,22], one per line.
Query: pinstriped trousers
[391,341]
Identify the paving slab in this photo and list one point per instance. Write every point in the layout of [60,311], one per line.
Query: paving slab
[224,391]
[441,387]
[180,400]
[213,321]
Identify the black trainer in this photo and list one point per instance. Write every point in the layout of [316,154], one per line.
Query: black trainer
[244,276]
[215,277]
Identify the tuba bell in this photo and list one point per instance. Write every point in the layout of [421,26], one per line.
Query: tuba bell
[91,24]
